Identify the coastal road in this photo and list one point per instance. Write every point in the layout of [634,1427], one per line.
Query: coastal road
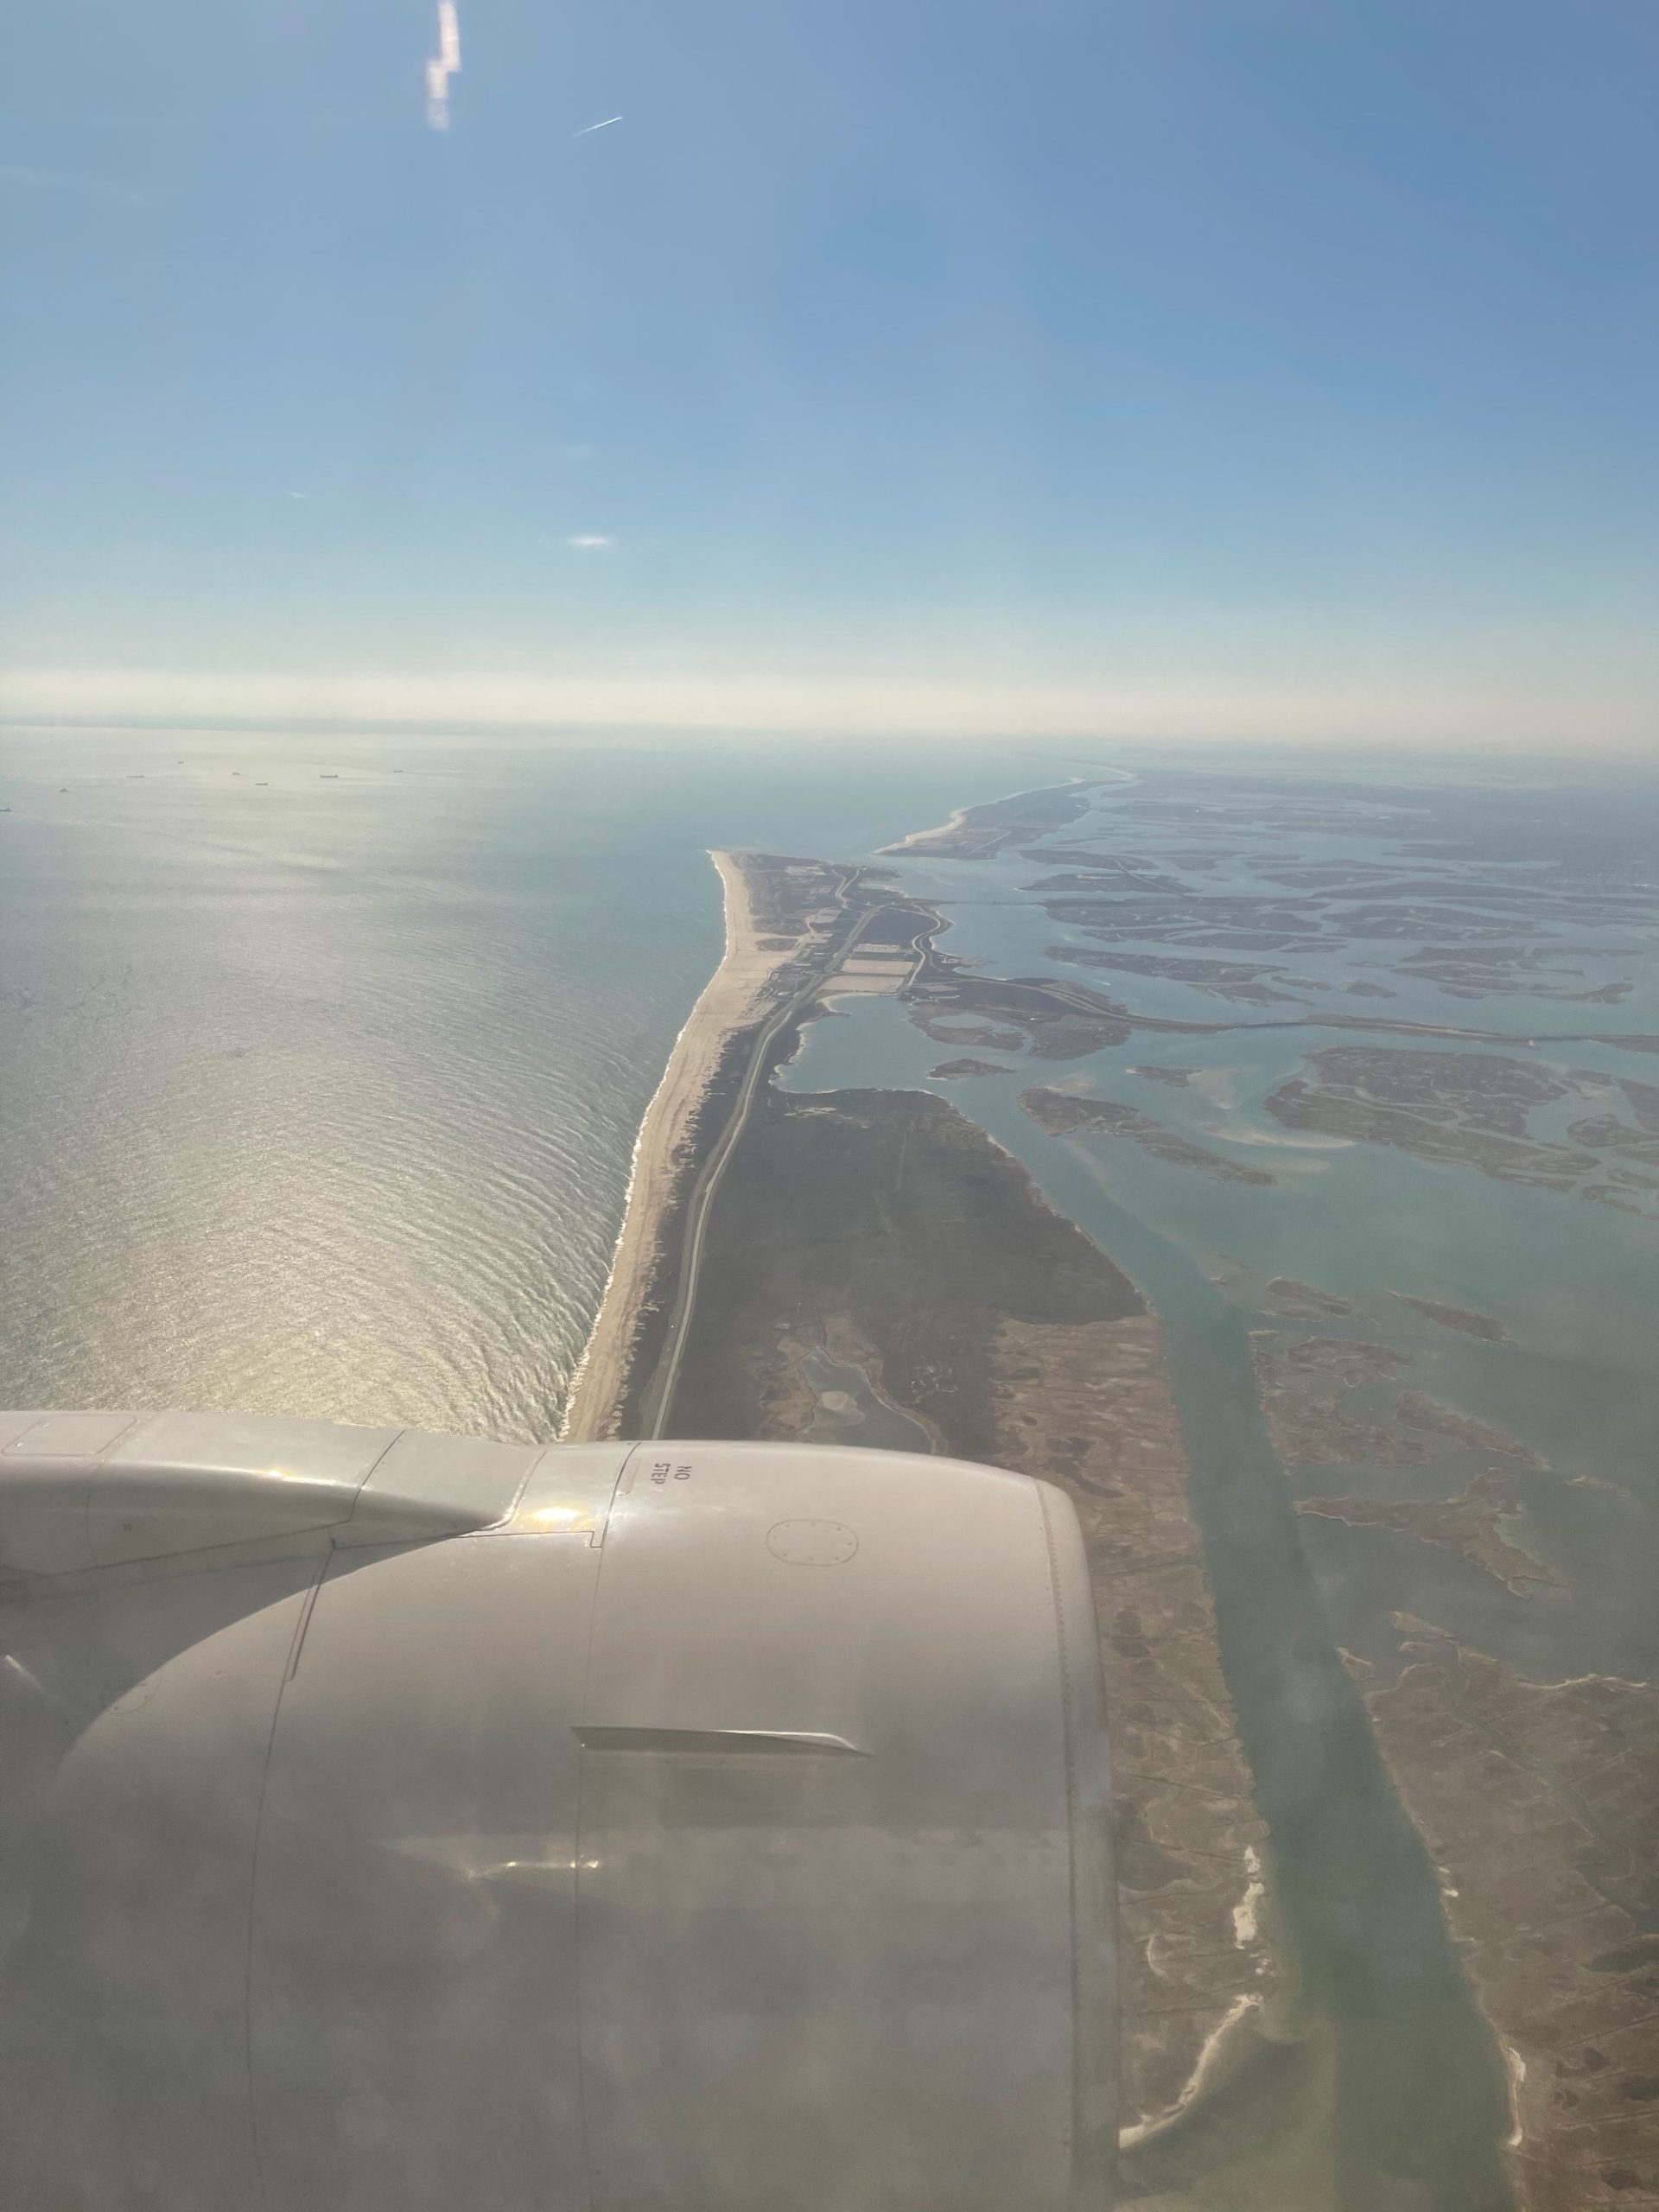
[658,1398]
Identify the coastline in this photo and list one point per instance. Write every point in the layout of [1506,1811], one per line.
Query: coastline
[731,1000]
[980,832]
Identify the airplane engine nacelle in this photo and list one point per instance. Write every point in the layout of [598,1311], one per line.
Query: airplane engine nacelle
[390,1820]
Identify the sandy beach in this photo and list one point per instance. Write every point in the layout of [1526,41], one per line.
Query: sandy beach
[736,995]
[980,832]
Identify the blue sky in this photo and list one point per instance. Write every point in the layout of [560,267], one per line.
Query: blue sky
[1193,366]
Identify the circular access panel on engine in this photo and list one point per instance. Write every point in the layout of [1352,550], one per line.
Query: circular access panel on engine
[811,1543]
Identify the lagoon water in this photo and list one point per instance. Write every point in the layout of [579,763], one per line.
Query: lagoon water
[1418,2106]
[1574,1286]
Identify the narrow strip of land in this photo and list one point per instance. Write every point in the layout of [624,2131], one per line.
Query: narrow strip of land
[791,923]
[657,1397]
[739,987]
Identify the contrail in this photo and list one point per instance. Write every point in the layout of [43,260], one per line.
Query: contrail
[587,128]
[444,65]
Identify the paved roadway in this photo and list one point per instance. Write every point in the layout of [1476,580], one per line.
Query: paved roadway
[657,1397]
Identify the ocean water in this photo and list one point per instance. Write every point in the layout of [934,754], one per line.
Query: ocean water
[323,1057]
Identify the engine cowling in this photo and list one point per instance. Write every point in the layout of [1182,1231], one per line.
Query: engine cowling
[395,1821]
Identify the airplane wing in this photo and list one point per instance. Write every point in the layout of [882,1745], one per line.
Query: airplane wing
[397,1821]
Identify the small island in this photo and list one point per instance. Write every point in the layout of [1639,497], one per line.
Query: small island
[1061,1112]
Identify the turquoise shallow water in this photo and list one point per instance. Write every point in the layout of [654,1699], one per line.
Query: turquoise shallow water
[1573,1285]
